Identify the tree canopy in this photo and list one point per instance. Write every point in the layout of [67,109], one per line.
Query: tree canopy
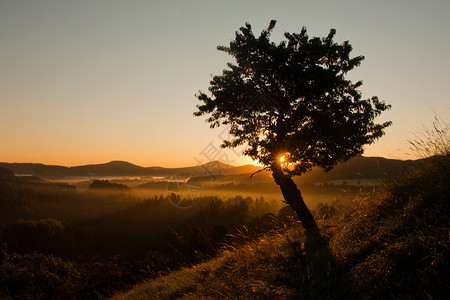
[292,100]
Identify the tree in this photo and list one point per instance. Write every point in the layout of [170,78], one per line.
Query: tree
[291,104]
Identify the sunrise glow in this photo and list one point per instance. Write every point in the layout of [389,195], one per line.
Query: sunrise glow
[224,149]
[118,87]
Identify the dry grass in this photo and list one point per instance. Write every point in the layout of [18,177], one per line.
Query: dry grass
[397,245]
[256,270]
[432,141]
[391,245]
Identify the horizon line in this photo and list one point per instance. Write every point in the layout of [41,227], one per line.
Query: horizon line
[159,166]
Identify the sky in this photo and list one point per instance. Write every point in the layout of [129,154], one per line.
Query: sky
[90,81]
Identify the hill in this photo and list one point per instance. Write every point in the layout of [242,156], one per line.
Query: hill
[123,169]
[356,168]
[393,246]
[364,167]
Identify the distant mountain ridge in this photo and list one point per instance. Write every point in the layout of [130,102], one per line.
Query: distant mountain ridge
[123,168]
[358,167]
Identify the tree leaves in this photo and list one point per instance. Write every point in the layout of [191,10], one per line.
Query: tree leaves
[309,110]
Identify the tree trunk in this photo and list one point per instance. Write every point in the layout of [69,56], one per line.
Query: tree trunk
[316,247]
[294,198]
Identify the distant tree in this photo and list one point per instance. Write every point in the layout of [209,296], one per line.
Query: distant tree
[292,105]
[106,184]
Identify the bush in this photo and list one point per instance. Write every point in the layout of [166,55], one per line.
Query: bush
[37,276]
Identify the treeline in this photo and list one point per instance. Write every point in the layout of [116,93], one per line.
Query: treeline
[152,225]
[34,198]
[48,258]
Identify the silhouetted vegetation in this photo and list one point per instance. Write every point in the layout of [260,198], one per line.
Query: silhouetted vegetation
[56,241]
[389,245]
[387,242]
[99,237]
[37,276]
[34,198]
[293,108]
[106,184]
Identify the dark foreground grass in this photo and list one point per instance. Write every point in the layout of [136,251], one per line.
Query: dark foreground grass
[261,269]
[397,246]
[394,246]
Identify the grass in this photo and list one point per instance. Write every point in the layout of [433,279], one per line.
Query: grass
[256,270]
[397,245]
[392,245]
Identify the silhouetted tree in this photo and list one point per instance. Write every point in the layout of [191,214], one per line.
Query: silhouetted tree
[106,184]
[292,100]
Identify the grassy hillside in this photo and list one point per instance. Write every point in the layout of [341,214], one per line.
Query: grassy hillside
[391,245]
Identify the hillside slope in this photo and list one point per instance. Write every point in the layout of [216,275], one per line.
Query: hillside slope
[394,245]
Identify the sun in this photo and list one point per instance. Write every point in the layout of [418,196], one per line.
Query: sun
[282,159]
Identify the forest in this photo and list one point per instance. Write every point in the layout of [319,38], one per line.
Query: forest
[59,240]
